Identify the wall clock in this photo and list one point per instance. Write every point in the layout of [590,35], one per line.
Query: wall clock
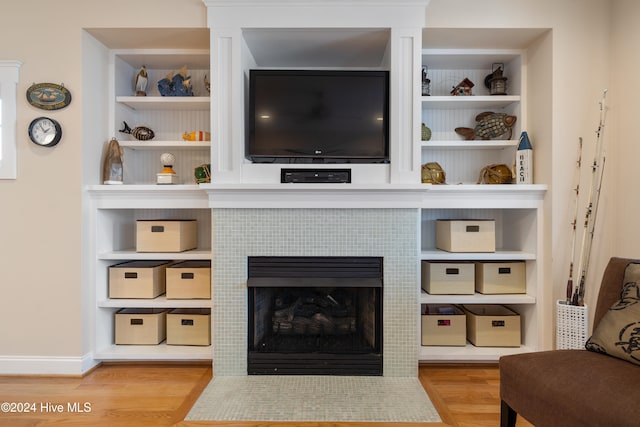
[45,131]
[48,96]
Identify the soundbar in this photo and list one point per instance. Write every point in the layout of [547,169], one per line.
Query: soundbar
[315,176]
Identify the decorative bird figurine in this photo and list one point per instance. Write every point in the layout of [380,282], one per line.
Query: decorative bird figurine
[207,84]
[141,82]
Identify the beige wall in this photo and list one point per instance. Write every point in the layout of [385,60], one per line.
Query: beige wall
[623,145]
[41,309]
[41,211]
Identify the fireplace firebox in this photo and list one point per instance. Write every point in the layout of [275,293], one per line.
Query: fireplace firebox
[315,315]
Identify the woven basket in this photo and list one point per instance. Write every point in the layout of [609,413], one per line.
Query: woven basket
[572,326]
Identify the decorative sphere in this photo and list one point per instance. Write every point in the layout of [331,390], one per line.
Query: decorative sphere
[167,159]
[426,133]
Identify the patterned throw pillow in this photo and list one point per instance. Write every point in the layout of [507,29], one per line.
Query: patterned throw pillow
[618,333]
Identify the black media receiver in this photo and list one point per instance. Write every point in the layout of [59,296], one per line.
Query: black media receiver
[315,176]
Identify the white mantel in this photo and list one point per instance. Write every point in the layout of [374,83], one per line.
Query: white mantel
[356,196]
[319,196]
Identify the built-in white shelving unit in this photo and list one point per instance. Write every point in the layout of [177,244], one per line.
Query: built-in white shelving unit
[517,210]
[116,208]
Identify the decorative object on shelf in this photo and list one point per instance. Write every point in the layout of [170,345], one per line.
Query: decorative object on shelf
[112,171]
[176,84]
[524,160]
[426,83]
[432,173]
[167,175]
[196,136]
[495,82]
[207,84]
[495,174]
[141,133]
[202,174]
[425,133]
[141,82]
[45,131]
[463,88]
[490,126]
[48,96]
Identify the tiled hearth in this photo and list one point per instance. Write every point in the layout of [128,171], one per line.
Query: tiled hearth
[388,233]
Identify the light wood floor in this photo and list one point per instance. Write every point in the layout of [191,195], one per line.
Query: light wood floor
[157,395]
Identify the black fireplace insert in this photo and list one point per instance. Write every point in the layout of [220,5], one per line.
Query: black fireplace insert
[315,315]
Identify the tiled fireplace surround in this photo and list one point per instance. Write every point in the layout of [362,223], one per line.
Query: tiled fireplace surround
[389,233]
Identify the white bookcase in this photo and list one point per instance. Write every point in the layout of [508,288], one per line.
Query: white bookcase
[169,117]
[116,208]
[516,209]
[442,113]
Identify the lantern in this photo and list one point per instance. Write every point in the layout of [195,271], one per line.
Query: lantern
[497,83]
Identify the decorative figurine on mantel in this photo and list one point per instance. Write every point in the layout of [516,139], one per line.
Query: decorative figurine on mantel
[432,173]
[463,88]
[141,82]
[202,173]
[112,164]
[176,84]
[141,133]
[490,126]
[196,136]
[167,175]
[496,174]
[426,82]
[207,84]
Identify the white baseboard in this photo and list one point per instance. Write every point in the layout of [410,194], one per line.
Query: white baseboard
[46,365]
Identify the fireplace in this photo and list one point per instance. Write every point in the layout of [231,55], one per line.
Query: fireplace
[314,315]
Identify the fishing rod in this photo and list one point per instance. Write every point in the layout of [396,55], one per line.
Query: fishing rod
[574,223]
[591,233]
[597,169]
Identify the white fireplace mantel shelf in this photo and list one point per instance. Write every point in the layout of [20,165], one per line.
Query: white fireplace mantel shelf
[354,196]
[351,196]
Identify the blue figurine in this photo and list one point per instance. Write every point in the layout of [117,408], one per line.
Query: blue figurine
[176,85]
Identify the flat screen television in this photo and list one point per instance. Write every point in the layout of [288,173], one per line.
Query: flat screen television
[318,116]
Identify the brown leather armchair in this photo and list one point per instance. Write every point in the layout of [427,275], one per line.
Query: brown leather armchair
[574,387]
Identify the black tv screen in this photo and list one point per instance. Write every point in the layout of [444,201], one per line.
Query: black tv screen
[318,116]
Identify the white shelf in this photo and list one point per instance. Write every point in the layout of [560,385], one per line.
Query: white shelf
[468,145]
[154,352]
[168,190]
[157,145]
[158,302]
[149,196]
[464,59]
[172,59]
[468,102]
[477,298]
[499,255]
[165,102]
[468,353]
[131,254]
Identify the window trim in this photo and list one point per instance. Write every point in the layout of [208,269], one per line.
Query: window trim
[9,76]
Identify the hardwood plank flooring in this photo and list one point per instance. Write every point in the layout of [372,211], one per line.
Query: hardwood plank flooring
[158,395]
